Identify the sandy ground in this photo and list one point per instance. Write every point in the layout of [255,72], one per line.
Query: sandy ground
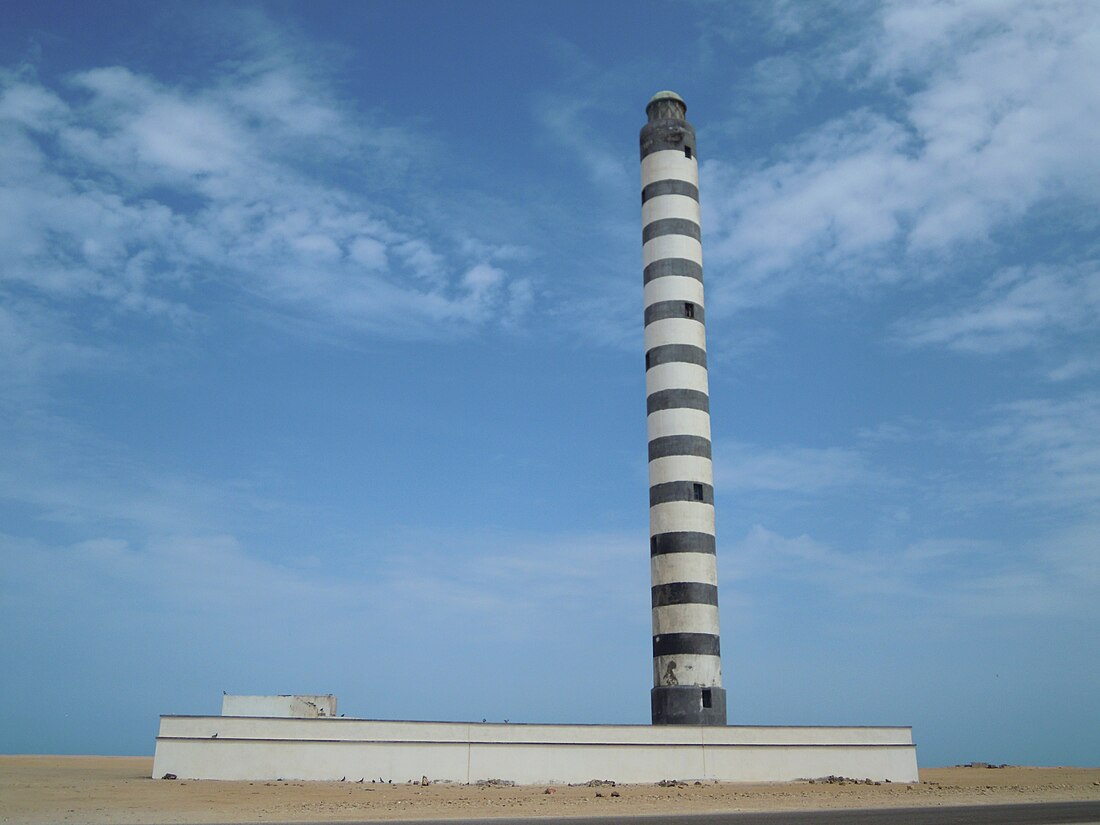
[100,789]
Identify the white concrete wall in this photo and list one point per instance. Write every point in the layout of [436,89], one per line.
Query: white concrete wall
[212,747]
[300,705]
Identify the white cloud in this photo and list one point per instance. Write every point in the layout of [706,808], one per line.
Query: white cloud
[1075,367]
[369,253]
[763,552]
[475,248]
[1017,308]
[520,300]
[487,570]
[835,200]
[31,106]
[567,121]
[436,579]
[232,545]
[572,117]
[1040,459]
[421,260]
[1051,447]
[1052,575]
[990,112]
[766,555]
[740,466]
[120,190]
[482,278]
[35,342]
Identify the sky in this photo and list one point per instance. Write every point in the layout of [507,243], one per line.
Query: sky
[321,363]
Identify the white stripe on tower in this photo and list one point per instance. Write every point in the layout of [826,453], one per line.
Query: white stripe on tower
[687,671]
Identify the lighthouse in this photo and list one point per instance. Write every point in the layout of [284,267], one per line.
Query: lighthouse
[687,667]
[687,673]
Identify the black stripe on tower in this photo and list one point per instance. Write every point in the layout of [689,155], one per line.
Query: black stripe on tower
[667,491]
[672,266]
[671,186]
[672,644]
[661,310]
[675,354]
[662,595]
[681,542]
[669,445]
[671,226]
[677,399]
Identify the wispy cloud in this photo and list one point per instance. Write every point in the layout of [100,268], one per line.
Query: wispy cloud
[127,197]
[973,115]
[1050,575]
[571,116]
[1051,448]
[109,521]
[436,578]
[1034,454]
[745,467]
[1017,308]
[1075,367]
[65,476]
[1036,464]
[918,571]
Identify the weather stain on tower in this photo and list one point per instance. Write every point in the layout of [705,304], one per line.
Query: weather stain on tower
[687,669]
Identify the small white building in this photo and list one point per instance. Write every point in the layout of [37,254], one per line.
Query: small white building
[293,706]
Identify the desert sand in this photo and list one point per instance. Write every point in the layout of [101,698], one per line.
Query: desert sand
[101,789]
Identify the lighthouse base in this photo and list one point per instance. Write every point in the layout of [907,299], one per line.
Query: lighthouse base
[366,750]
[688,705]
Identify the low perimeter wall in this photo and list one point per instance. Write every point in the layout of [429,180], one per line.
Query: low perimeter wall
[221,747]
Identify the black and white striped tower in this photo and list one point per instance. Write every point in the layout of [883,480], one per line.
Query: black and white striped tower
[687,668]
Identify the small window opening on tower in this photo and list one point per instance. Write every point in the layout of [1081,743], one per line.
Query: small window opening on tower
[689,310]
[706,698]
[647,360]
[687,152]
[697,492]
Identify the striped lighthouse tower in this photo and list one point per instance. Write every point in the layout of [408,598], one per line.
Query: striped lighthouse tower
[687,669]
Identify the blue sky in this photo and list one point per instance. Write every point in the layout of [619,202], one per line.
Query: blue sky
[321,363]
